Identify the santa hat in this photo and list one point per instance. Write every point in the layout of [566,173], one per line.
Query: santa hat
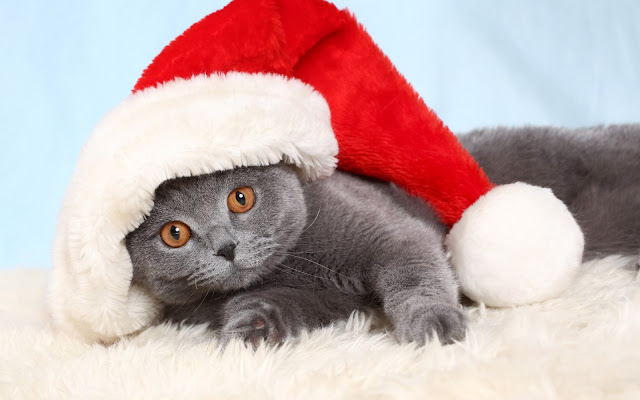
[267,81]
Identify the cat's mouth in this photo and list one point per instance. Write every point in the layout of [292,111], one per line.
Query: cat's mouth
[225,275]
[239,278]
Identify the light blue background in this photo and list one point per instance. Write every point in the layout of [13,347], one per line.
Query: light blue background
[65,64]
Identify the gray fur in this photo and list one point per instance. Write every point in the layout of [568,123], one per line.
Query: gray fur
[595,171]
[317,252]
[308,255]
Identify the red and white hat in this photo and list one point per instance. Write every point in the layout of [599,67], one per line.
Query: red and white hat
[265,81]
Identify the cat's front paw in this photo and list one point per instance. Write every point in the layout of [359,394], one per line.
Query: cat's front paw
[446,321]
[254,320]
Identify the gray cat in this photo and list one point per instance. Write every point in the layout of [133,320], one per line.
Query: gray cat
[260,256]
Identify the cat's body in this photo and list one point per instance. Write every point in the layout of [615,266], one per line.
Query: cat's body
[358,242]
[595,171]
[364,242]
[323,250]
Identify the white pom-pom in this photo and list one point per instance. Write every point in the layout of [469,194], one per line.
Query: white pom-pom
[518,244]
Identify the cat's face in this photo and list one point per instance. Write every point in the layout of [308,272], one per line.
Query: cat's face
[203,235]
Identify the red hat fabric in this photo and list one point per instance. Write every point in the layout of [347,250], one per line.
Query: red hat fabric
[372,105]
[257,83]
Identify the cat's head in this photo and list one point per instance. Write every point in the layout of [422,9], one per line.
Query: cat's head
[217,232]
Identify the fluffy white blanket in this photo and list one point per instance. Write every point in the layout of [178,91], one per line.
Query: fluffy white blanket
[583,345]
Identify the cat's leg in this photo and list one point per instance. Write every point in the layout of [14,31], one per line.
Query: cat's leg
[269,313]
[418,291]
[273,314]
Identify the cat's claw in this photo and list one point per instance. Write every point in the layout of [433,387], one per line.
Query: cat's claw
[255,322]
[448,322]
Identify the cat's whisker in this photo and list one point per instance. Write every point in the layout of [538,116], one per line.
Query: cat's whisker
[277,268]
[312,222]
[201,301]
[199,273]
[317,263]
[305,273]
[285,271]
[310,252]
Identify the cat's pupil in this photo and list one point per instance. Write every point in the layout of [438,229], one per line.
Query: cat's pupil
[240,198]
[175,232]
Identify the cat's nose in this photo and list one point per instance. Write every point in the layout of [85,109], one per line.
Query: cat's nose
[227,251]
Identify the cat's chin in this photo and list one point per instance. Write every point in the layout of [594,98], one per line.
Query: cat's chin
[237,276]
[244,272]
[238,280]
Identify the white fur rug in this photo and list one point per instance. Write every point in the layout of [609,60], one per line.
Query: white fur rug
[581,346]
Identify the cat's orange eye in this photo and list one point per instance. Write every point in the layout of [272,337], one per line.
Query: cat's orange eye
[175,234]
[241,199]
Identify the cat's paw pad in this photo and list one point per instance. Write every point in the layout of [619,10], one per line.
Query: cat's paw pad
[446,321]
[255,323]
